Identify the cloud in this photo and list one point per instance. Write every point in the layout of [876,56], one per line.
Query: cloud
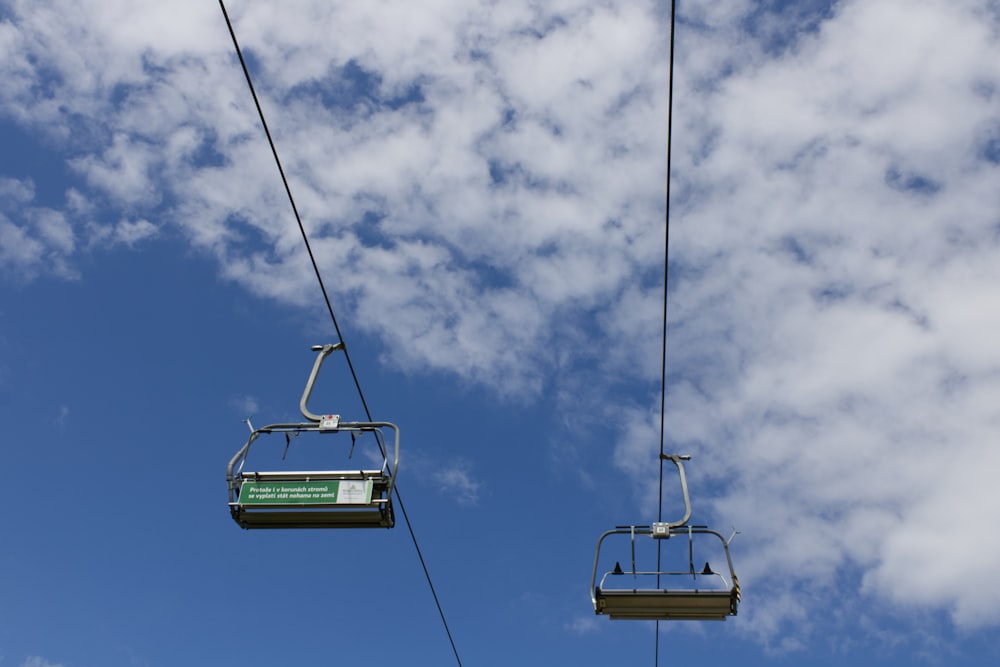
[457,482]
[483,188]
[245,405]
[33,239]
[35,661]
[584,625]
[455,479]
[40,240]
[463,118]
[124,232]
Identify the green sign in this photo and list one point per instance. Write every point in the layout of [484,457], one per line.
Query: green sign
[328,492]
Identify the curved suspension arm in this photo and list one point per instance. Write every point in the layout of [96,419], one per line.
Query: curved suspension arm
[677,458]
[324,352]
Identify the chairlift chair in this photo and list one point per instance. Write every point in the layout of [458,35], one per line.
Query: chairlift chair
[712,596]
[356,498]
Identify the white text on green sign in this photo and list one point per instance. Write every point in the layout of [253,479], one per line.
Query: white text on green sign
[325,492]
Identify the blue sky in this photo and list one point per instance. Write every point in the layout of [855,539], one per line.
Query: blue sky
[483,185]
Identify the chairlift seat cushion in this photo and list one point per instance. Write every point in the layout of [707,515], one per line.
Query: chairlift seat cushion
[381,517]
[694,605]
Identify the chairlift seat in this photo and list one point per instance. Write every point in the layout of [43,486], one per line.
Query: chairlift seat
[697,603]
[315,499]
[660,604]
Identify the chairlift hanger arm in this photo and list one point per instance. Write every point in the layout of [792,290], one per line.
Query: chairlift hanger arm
[324,352]
[677,459]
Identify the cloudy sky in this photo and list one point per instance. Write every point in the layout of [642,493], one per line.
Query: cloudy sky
[483,184]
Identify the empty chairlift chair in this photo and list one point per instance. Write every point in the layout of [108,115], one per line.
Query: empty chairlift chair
[653,594]
[355,498]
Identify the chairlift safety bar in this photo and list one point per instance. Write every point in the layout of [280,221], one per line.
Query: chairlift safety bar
[648,597]
[240,456]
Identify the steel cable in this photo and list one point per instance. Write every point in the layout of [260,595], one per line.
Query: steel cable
[663,349]
[333,318]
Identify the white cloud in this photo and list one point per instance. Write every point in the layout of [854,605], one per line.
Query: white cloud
[457,482]
[33,239]
[39,240]
[122,171]
[421,165]
[245,405]
[584,625]
[123,232]
[35,661]
[483,188]
[20,191]
[16,247]
[455,478]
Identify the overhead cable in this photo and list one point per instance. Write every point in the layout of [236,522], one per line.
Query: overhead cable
[663,349]
[333,317]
